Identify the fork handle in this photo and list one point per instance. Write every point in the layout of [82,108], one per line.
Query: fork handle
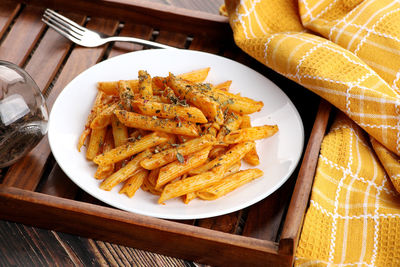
[138,41]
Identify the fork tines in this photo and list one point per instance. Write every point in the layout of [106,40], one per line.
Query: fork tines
[62,25]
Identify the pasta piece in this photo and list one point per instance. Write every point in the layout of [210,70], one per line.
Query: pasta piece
[96,107]
[239,104]
[125,172]
[222,163]
[189,197]
[150,182]
[229,183]
[250,134]
[111,87]
[103,119]
[192,195]
[126,95]
[223,86]
[153,176]
[210,176]
[251,157]
[120,131]
[134,182]
[82,138]
[145,85]
[131,148]
[158,84]
[103,171]
[188,185]
[192,94]
[181,166]
[232,122]
[153,123]
[169,111]
[171,154]
[196,76]
[96,142]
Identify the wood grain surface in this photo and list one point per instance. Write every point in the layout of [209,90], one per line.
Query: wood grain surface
[35,190]
[22,245]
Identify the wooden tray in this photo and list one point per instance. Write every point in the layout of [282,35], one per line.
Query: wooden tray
[35,191]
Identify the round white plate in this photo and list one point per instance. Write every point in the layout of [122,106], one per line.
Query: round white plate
[279,154]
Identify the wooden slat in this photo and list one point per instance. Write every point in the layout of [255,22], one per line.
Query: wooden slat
[58,184]
[205,44]
[172,39]
[68,250]
[301,194]
[36,239]
[8,10]
[23,36]
[43,67]
[79,60]
[226,223]
[153,14]
[82,58]
[27,172]
[265,218]
[134,30]
[183,241]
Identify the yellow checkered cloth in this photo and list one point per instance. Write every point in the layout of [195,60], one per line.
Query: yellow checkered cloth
[348,52]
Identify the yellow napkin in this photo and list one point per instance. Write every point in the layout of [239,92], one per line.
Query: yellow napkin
[348,52]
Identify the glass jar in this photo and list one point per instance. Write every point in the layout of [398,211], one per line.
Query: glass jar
[23,113]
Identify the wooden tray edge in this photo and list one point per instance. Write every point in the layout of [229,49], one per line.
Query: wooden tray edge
[302,191]
[125,228]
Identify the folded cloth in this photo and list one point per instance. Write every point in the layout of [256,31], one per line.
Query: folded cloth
[347,52]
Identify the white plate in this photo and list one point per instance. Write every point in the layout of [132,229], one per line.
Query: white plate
[279,154]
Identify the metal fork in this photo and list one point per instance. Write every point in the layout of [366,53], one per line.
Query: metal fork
[85,37]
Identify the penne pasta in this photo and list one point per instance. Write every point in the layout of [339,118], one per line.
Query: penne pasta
[235,103]
[111,87]
[192,195]
[125,172]
[192,94]
[131,148]
[229,183]
[178,150]
[251,157]
[83,137]
[169,111]
[120,131]
[103,119]
[96,107]
[172,136]
[250,134]
[153,123]
[95,142]
[104,171]
[222,163]
[223,86]
[177,168]
[196,76]
[189,185]
[189,197]
[145,85]
[134,183]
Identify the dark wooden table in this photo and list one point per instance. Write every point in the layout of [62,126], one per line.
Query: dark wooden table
[22,245]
